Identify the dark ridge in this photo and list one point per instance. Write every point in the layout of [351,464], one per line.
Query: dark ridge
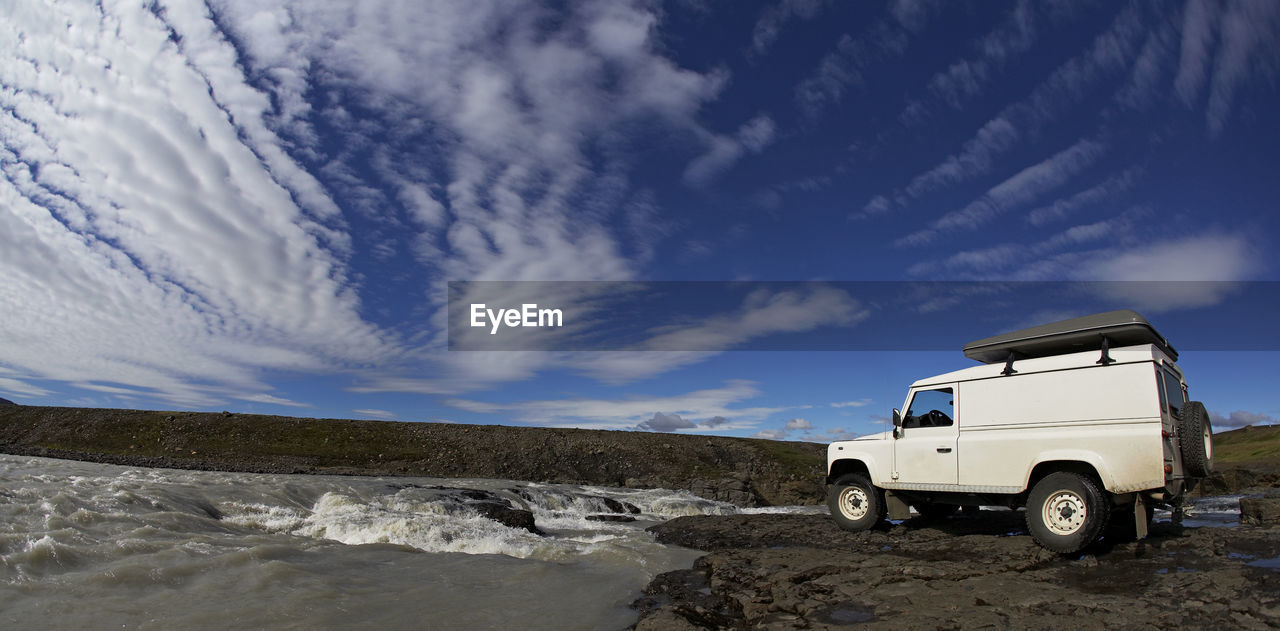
[744,471]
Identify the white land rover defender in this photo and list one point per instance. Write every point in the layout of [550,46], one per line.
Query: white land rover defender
[1085,422]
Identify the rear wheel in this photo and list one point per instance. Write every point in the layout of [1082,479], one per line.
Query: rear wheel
[1197,440]
[855,503]
[1066,512]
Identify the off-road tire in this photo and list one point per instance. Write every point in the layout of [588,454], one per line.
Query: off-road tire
[855,503]
[1196,435]
[1066,512]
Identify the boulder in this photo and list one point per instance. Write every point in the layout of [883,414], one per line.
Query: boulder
[1227,482]
[1259,511]
[506,515]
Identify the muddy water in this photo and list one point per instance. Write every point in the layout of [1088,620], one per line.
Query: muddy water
[94,546]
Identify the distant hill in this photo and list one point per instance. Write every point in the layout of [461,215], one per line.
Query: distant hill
[1250,444]
[7,402]
[744,471]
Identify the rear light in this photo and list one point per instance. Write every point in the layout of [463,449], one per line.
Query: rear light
[1168,469]
[1164,433]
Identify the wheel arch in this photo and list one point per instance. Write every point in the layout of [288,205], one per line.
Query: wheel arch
[1078,465]
[847,465]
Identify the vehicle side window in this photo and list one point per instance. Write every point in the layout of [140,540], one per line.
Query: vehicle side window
[931,408]
[1173,392]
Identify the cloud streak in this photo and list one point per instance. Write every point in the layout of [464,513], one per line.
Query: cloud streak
[664,413]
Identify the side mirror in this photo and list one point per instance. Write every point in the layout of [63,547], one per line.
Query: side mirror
[897,423]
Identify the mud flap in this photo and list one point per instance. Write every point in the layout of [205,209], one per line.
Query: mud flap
[897,509]
[1140,517]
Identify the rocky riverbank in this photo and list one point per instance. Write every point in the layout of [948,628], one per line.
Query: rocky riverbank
[972,571]
[746,472]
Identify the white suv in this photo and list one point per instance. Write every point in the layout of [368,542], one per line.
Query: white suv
[1083,422]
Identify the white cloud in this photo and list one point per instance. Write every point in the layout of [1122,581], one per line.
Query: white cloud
[375,413]
[20,388]
[997,136]
[1019,259]
[844,66]
[771,434]
[1023,187]
[1247,38]
[798,424]
[724,151]
[1212,257]
[270,399]
[1196,271]
[772,19]
[851,404]
[1199,25]
[763,313]
[1250,47]
[141,176]
[1240,418]
[1065,86]
[1105,190]
[877,205]
[156,165]
[630,412]
[964,79]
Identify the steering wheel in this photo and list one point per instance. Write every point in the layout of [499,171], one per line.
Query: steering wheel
[938,419]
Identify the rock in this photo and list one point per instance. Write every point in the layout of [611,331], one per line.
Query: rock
[614,518]
[735,490]
[506,515]
[800,571]
[1228,482]
[1256,511]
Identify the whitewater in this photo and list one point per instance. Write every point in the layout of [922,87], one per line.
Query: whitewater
[86,545]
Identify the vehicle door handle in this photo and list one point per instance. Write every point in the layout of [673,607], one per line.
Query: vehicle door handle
[944,450]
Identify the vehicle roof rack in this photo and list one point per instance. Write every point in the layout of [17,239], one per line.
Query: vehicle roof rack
[1097,332]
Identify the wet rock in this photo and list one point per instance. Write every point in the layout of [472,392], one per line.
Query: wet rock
[1260,510]
[506,515]
[800,571]
[616,505]
[611,518]
[683,599]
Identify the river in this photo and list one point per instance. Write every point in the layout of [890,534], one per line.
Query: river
[86,545]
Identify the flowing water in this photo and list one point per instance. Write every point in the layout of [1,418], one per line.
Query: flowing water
[86,545]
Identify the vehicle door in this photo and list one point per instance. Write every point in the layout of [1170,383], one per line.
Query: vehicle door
[925,450]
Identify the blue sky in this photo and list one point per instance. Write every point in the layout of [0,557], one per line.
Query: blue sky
[256,205]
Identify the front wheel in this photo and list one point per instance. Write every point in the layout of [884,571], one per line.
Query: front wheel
[855,503]
[1066,512]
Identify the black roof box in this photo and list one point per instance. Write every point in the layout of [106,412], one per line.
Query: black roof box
[1120,328]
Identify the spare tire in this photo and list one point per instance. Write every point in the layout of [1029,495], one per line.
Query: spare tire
[1196,436]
